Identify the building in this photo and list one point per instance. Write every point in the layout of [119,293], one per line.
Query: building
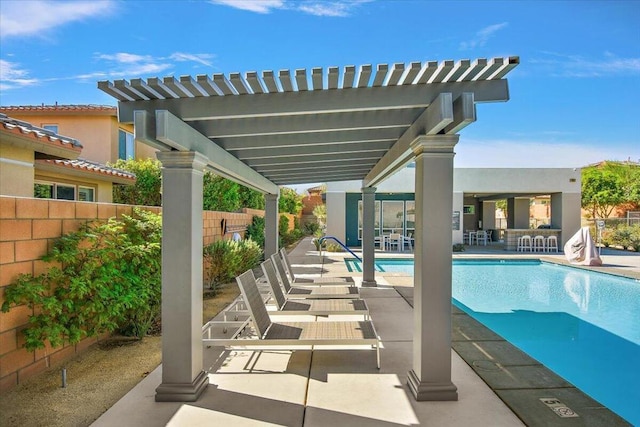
[475,192]
[36,162]
[104,139]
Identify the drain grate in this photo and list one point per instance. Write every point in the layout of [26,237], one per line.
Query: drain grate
[561,410]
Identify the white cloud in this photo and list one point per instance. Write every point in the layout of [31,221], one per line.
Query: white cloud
[258,6]
[312,7]
[14,77]
[202,58]
[482,36]
[562,65]
[37,17]
[530,154]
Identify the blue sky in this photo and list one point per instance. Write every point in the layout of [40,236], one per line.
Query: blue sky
[574,97]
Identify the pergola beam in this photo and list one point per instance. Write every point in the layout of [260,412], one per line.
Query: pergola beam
[175,133]
[434,119]
[309,102]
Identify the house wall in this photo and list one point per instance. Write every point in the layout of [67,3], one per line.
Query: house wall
[16,170]
[28,227]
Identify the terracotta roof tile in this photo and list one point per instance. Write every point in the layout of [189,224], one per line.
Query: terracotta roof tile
[88,166]
[57,107]
[18,126]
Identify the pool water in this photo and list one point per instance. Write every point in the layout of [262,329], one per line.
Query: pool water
[583,325]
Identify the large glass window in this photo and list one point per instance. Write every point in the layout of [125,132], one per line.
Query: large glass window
[410,224]
[65,192]
[392,216]
[376,221]
[126,145]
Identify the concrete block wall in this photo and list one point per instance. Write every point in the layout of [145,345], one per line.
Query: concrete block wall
[27,229]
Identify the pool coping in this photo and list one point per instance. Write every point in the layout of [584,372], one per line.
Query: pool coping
[519,380]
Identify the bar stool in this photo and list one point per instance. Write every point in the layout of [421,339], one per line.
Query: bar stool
[524,243]
[539,244]
[552,242]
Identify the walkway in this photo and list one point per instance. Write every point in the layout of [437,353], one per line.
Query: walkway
[344,388]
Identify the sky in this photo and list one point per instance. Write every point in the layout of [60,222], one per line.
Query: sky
[574,98]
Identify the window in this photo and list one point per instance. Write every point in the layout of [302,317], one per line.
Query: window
[55,190]
[410,215]
[126,145]
[376,220]
[392,216]
[85,194]
[52,128]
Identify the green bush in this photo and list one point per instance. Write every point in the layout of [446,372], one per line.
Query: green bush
[458,247]
[146,190]
[310,228]
[255,231]
[626,236]
[283,225]
[105,277]
[226,259]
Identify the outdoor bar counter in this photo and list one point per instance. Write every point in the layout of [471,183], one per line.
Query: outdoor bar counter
[511,235]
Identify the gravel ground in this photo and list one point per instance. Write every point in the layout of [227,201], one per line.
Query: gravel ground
[96,379]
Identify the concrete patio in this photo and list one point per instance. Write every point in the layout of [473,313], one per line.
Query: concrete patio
[343,387]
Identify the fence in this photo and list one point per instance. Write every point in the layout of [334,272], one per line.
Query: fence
[27,229]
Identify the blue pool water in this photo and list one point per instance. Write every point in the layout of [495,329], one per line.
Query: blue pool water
[584,326]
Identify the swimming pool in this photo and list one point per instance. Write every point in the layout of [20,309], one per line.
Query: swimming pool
[582,325]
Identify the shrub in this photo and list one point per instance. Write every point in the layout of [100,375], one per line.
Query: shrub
[146,190]
[105,276]
[283,225]
[226,259]
[255,231]
[334,247]
[310,228]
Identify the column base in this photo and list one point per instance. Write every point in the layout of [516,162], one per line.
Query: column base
[431,391]
[369,284]
[183,392]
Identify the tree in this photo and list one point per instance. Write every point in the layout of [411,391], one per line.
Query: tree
[146,190]
[251,199]
[290,201]
[608,185]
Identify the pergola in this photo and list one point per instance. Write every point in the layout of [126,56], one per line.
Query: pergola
[272,129]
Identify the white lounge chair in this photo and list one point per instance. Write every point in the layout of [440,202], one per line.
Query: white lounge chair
[316,291]
[311,307]
[323,281]
[295,334]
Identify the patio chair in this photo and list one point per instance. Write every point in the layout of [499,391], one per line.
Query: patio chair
[325,281]
[310,291]
[294,334]
[311,307]
[395,239]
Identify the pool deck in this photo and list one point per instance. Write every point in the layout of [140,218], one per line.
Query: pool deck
[344,388]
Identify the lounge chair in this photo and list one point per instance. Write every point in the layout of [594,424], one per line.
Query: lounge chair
[312,307]
[297,292]
[323,281]
[293,334]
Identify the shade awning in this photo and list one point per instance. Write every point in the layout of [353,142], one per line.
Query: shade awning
[321,125]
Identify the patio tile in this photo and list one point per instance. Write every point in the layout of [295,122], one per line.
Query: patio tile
[500,377]
[500,352]
[465,328]
[527,404]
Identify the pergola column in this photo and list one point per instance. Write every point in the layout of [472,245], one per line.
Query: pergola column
[368,236]
[270,224]
[430,378]
[183,379]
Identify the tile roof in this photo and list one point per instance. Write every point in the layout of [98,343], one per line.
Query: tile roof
[89,166]
[58,107]
[41,135]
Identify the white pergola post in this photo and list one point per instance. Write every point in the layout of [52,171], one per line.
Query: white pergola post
[183,379]
[368,236]
[430,378]
[270,224]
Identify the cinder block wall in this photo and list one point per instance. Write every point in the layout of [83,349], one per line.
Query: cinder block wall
[27,229]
